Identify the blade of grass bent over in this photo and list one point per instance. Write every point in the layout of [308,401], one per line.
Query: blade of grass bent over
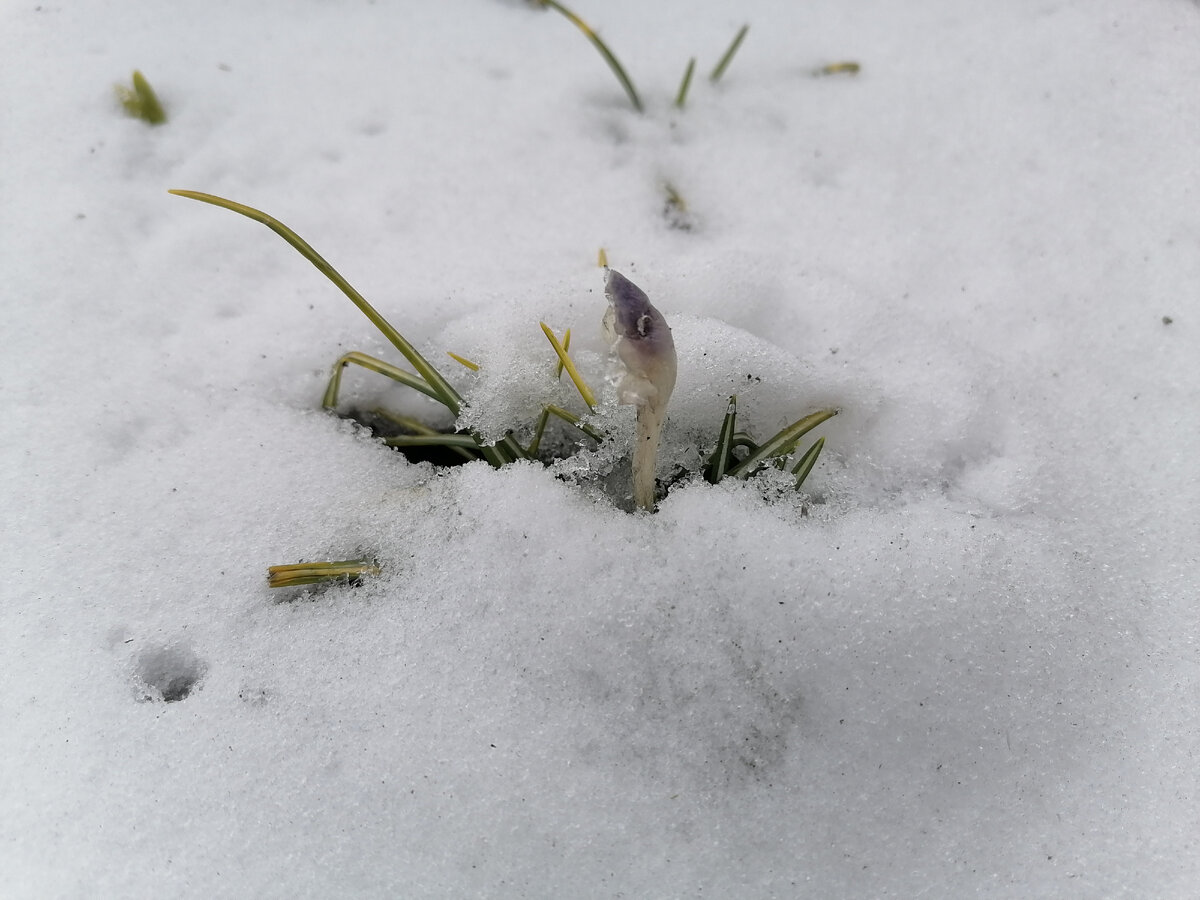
[443,390]
[616,67]
[374,365]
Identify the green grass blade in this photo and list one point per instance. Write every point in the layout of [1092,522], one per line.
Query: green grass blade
[681,96]
[591,35]
[420,428]
[782,443]
[374,365]
[457,440]
[729,54]
[442,389]
[514,451]
[536,443]
[722,456]
[493,454]
[807,461]
[572,419]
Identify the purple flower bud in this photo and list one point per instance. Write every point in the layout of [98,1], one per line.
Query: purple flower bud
[643,341]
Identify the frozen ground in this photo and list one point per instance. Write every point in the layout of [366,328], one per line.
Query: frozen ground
[971,668]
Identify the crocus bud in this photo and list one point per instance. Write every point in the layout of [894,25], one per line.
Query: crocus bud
[642,339]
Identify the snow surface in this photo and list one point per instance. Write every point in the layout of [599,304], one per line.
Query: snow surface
[965,663]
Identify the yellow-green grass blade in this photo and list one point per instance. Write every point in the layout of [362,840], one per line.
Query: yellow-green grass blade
[319,572]
[584,391]
[442,389]
[609,58]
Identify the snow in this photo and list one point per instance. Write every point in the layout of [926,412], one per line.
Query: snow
[965,662]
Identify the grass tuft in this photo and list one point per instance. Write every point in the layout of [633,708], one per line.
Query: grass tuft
[724,460]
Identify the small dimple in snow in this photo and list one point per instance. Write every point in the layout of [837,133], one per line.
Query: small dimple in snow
[167,673]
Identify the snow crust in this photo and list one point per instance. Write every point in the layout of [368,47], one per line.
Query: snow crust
[963,662]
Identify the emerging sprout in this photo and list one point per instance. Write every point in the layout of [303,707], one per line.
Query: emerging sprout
[642,339]
[140,101]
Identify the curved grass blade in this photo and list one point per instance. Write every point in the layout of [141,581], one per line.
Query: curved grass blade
[782,443]
[807,461]
[591,35]
[374,365]
[443,391]
[722,456]
[728,57]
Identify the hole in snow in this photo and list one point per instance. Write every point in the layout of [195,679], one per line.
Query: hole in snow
[168,674]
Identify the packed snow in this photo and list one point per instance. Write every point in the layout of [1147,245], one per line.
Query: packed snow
[962,660]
